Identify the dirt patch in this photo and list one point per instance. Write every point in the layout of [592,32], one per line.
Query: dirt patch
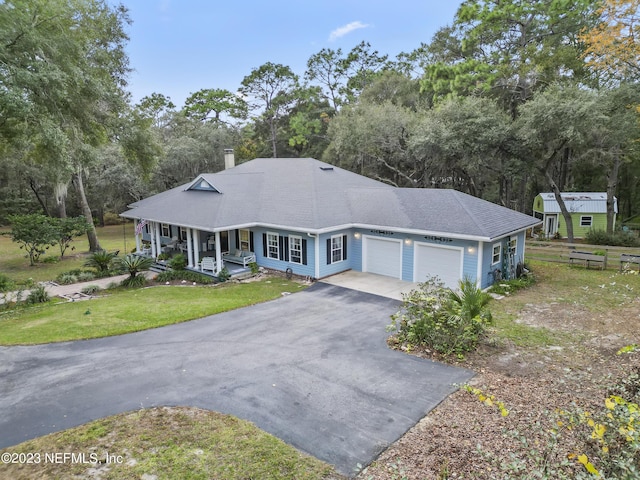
[465,437]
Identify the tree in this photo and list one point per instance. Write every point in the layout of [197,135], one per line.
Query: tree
[327,68]
[509,49]
[34,232]
[556,129]
[215,104]
[271,88]
[158,107]
[67,229]
[612,46]
[64,68]
[362,66]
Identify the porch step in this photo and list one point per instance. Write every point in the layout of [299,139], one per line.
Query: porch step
[158,268]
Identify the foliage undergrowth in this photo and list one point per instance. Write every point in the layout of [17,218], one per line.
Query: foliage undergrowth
[446,321]
[187,275]
[618,238]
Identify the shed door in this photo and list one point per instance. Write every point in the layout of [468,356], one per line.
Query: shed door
[433,261]
[382,256]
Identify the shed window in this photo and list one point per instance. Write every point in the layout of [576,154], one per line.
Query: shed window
[495,257]
[586,220]
[513,245]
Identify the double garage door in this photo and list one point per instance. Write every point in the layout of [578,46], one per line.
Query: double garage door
[384,257]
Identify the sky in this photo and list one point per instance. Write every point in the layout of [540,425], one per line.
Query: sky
[178,47]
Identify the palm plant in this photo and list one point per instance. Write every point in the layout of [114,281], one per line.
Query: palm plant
[101,260]
[134,264]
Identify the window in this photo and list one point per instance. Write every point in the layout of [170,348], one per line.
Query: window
[165,230]
[495,257]
[183,234]
[273,249]
[513,245]
[337,249]
[244,240]
[586,220]
[295,249]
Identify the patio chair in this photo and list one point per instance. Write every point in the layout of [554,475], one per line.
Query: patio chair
[208,263]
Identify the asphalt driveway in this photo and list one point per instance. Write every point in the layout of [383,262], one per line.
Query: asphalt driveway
[311,368]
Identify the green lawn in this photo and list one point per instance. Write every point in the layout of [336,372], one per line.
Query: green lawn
[163,443]
[125,311]
[14,263]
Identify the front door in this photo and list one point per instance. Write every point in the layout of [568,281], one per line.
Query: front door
[551,225]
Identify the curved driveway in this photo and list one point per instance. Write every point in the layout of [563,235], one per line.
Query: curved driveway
[311,368]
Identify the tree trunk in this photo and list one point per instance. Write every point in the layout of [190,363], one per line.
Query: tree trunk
[612,183]
[34,188]
[94,244]
[563,208]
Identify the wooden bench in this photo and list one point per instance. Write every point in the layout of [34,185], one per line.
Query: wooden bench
[626,258]
[589,258]
[241,257]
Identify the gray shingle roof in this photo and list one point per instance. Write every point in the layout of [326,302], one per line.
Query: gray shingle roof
[306,194]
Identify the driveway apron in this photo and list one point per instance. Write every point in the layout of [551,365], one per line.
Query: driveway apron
[311,368]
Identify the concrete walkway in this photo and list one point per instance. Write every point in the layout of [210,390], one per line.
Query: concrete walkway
[371,283]
[72,291]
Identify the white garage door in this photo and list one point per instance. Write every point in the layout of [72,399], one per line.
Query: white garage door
[431,261]
[383,256]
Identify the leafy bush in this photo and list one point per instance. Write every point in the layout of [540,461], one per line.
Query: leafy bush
[5,283]
[505,287]
[184,275]
[67,279]
[179,262]
[133,264]
[438,318]
[101,260]
[224,275]
[619,238]
[111,218]
[37,295]
[163,256]
[85,276]
[90,289]
[254,267]
[54,259]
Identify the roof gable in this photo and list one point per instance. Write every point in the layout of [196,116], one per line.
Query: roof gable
[200,183]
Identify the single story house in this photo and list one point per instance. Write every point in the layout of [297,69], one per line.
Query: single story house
[318,220]
[588,211]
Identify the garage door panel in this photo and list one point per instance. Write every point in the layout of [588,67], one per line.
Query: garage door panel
[432,261]
[383,257]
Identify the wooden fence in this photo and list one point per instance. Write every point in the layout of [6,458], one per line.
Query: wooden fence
[558,252]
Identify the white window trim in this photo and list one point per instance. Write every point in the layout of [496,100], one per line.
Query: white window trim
[182,234]
[341,249]
[245,245]
[269,245]
[513,245]
[298,251]
[163,227]
[493,253]
[582,219]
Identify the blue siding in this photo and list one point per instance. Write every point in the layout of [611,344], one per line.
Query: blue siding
[488,268]
[296,268]
[326,270]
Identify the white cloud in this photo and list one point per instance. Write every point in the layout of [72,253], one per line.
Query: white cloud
[345,29]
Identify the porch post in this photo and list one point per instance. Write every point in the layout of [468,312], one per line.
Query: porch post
[480,260]
[158,242]
[135,229]
[196,247]
[189,249]
[153,233]
[218,254]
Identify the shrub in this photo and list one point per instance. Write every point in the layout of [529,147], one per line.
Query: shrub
[164,256]
[134,264]
[184,275]
[67,279]
[619,238]
[85,276]
[5,283]
[505,287]
[254,267]
[224,275]
[90,289]
[54,259]
[111,218]
[37,295]
[445,321]
[179,262]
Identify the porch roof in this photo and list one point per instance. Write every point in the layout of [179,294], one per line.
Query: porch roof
[306,194]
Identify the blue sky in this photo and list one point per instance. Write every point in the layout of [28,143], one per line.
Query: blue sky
[178,47]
